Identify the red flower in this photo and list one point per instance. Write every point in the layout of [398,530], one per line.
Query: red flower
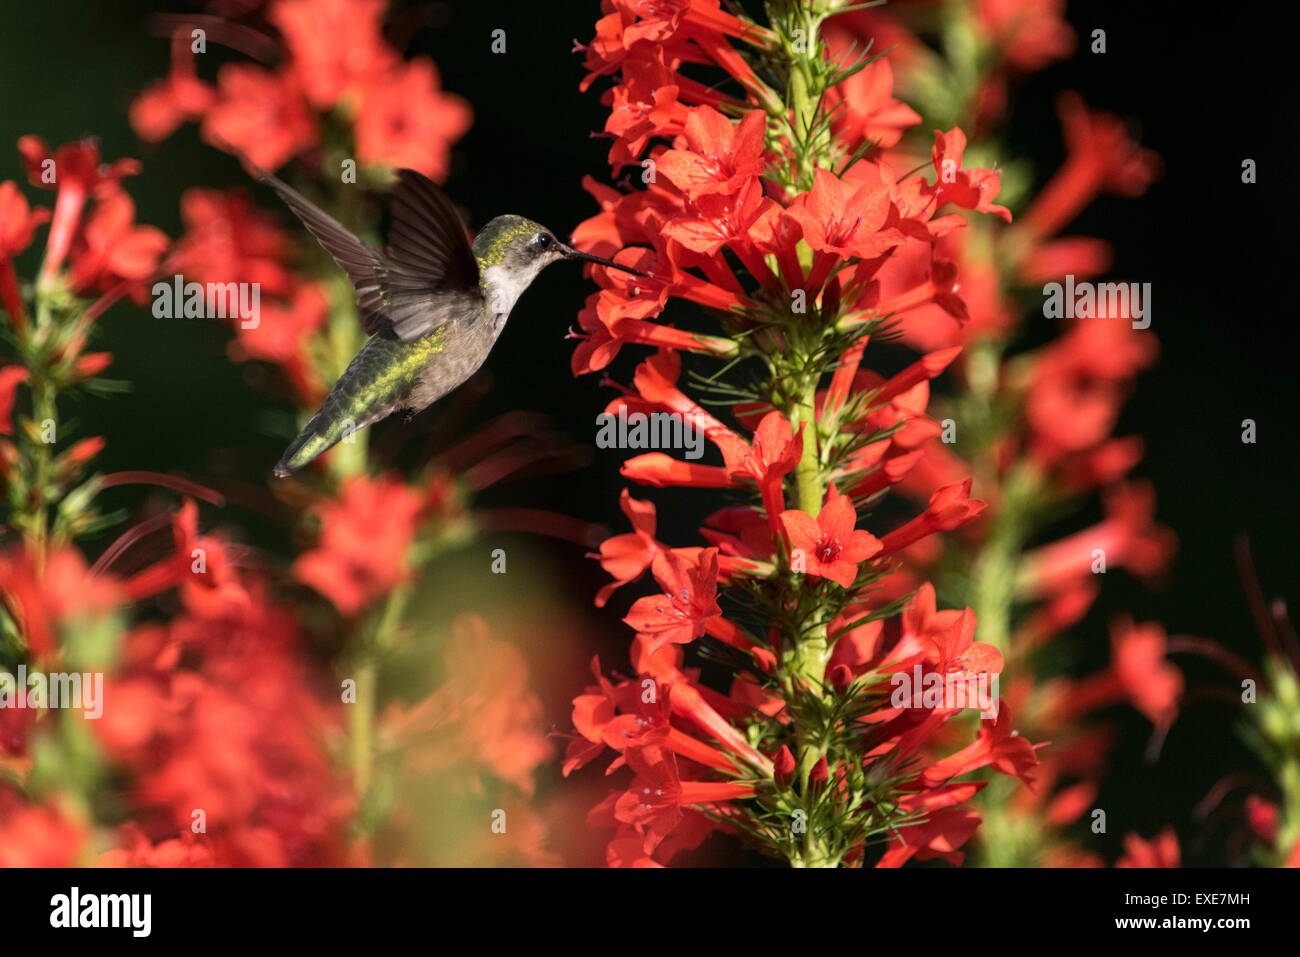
[1128,538]
[1143,671]
[36,835]
[364,537]
[179,98]
[722,156]
[334,45]
[970,189]
[10,376]
[950,507]
[1029,33]
[17,223]
[943,830]
[1160,851]
[17,220]
[870,112]
[997,745]
[60,591]
[654,803]
[1103,157]
[113,248]
[845,219]
[262,114]
[689,602]
[405,119]
[281,336]
[643,106]
[75,171]
[626,557]
[188,850]
[228,239]
[831,546]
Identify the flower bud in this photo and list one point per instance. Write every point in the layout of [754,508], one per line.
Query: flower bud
[783,767]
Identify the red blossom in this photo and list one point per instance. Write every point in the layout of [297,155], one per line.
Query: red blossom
[406,120]
[262,114]
[688,603]
[365,534]
[832,547]
[1161,851]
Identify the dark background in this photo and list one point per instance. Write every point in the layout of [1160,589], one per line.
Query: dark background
[1208,89]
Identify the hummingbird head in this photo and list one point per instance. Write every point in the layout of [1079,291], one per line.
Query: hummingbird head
[512,250]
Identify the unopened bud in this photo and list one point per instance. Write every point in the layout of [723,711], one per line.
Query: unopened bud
[820,774]
[783,767]
[841,677]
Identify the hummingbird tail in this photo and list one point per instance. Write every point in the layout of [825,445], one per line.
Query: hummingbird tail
[322,432]
[314,440]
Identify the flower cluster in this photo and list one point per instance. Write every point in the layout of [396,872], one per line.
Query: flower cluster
[224,739]
[1031,429]
[333,66]
[773,201]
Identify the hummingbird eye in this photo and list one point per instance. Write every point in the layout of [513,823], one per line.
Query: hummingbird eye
[543,241]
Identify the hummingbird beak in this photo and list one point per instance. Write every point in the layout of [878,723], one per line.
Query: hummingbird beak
[571,253]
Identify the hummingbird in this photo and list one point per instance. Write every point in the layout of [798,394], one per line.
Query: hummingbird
[432,303]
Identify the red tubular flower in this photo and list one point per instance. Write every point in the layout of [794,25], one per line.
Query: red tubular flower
[643,106]
[36,835]
[42,597]
[363,543]
[653,804]
[870,113]
[18,222]
[1143,672]
[281,336]
[75,171]
[115,249]
[405,119]
[626,557]
[940,836]
[334,45]
[227,239]
[832,547]
[689,602]
[1127,538]
[997,745]
[721,156]
[10,377]
[1030,33]
[841,219]
[950,507]
[1102,158]
[1160,851]
[262,114]
[180,97]
[969,189]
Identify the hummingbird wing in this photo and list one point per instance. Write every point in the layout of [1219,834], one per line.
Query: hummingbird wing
[429,276]
[430,260]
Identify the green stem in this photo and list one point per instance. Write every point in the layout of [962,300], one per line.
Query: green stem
[361,717]
[361,720]
[34,514]
[807,474]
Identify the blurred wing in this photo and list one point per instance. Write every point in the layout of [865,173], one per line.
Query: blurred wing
[429,274]
[428,256]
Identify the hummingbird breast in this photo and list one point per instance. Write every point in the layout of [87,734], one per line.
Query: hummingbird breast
[467,348]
